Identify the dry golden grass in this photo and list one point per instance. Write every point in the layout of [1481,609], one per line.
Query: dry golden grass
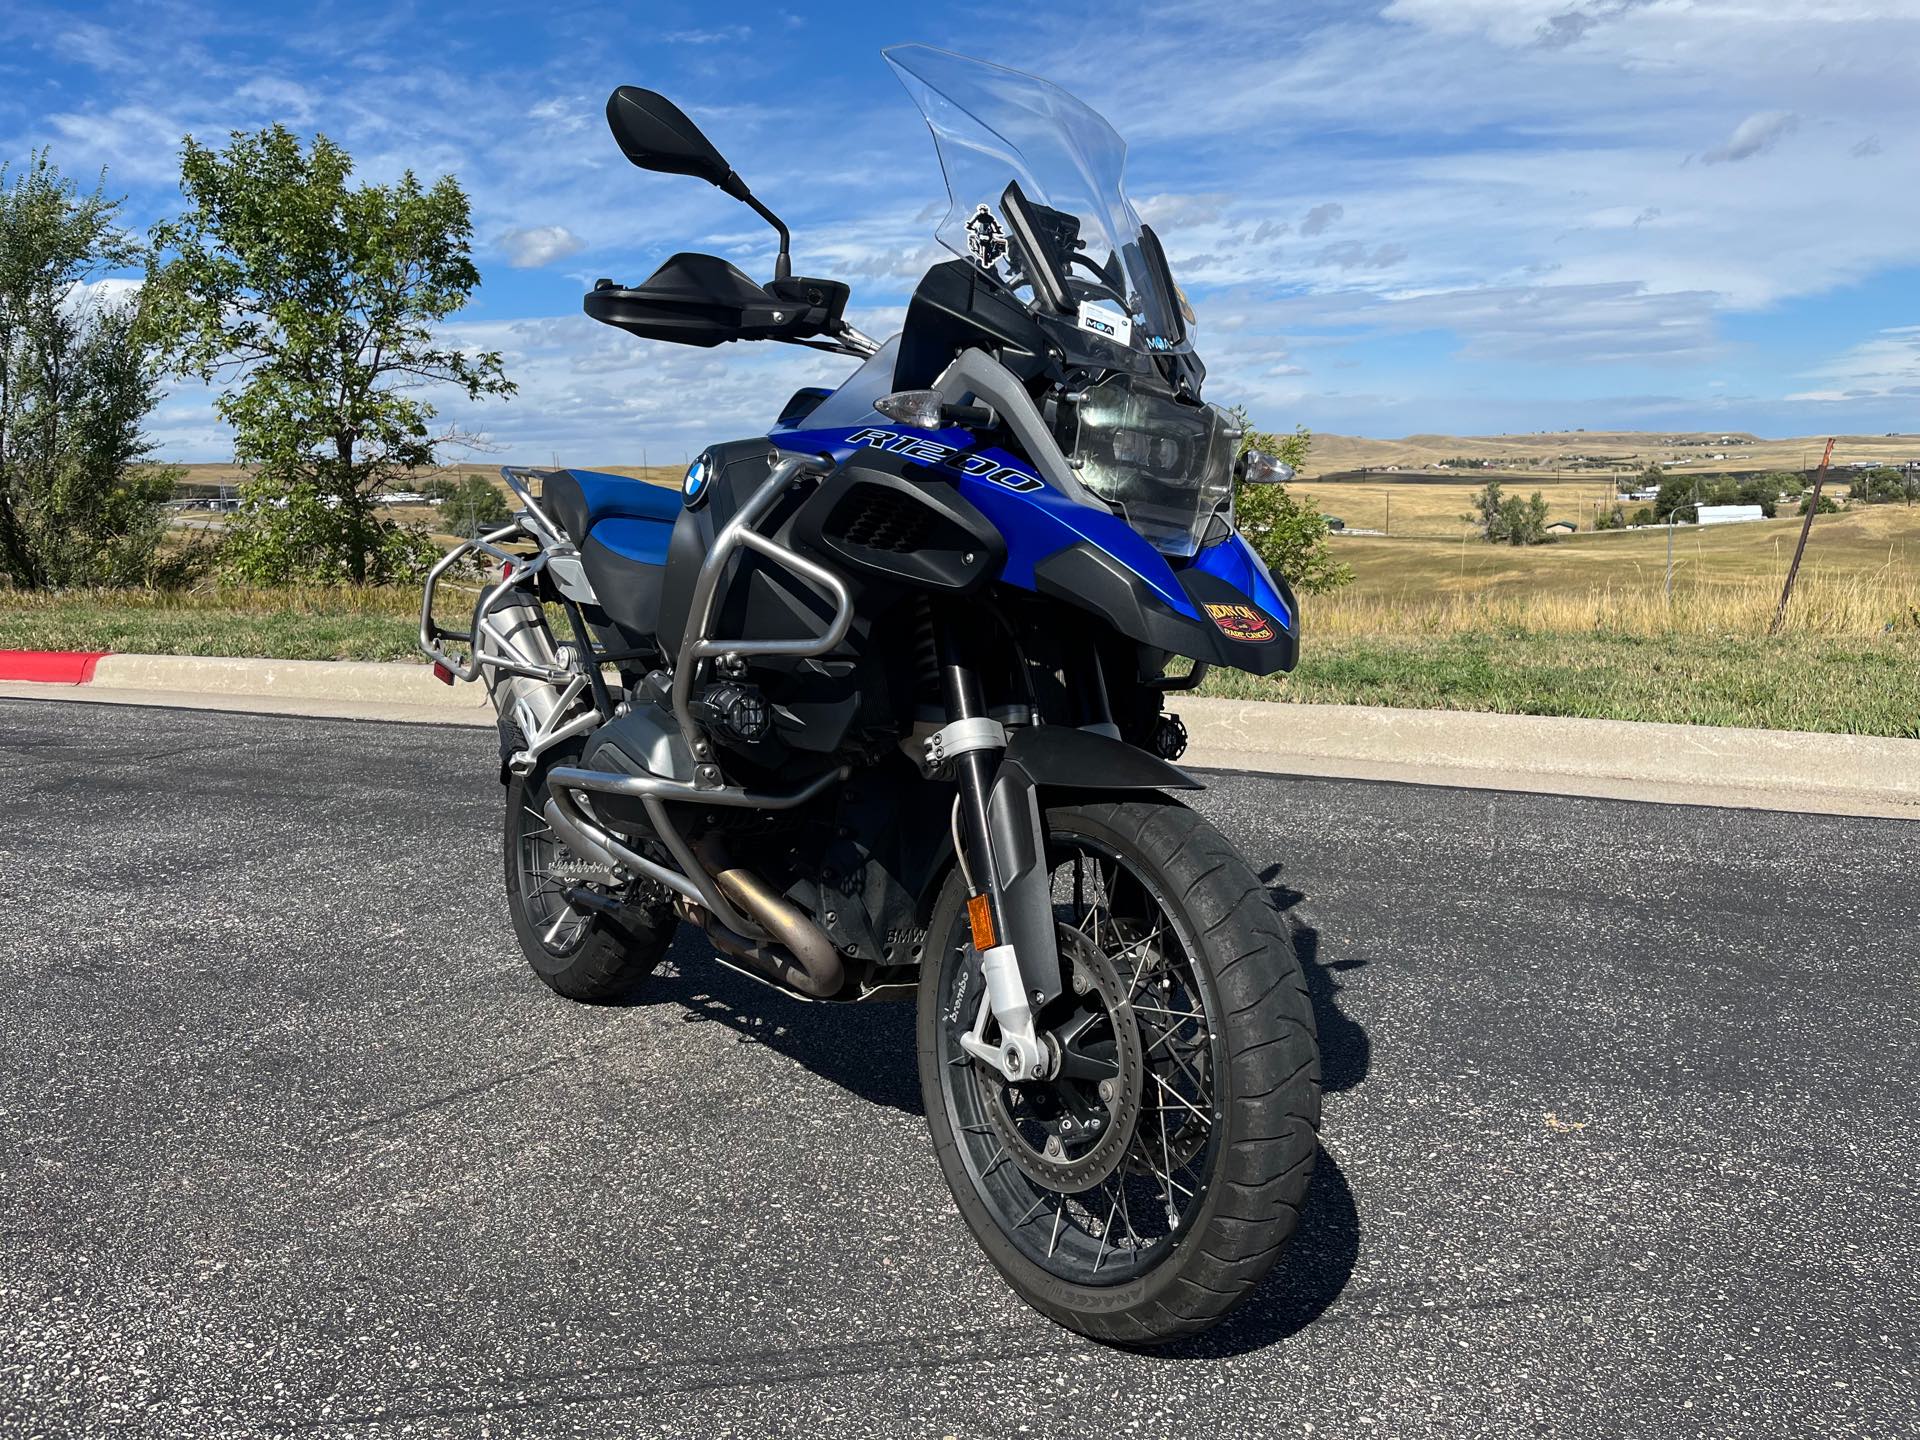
[1624,449]
[1824,603]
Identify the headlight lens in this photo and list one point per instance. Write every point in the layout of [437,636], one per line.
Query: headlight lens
[1167,465]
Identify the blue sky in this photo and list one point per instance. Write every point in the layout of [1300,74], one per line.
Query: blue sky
[1471,216]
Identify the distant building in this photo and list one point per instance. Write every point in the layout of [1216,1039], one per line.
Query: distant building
[1730,514]
[1565,526]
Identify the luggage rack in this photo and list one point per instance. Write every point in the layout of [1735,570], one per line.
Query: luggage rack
[517,570]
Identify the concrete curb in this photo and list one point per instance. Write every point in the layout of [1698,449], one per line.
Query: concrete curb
[1614,759]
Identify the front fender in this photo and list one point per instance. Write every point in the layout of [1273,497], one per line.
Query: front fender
[1058,757]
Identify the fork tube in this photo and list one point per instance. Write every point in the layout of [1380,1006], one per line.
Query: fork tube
[960,688]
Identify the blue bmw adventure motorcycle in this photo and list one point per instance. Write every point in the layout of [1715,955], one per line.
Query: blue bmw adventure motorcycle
[877,701]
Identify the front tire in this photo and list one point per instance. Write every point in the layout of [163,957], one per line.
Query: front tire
[576,951]
[1186,993]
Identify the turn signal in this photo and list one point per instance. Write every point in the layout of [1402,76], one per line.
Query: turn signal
[920,409]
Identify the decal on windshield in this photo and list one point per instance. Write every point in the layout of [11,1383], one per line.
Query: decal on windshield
[1240,622]
[1109,323]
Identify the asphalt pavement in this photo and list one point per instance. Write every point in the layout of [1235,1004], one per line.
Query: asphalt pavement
[1620,1133]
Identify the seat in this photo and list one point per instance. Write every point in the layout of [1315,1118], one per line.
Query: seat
[581,499]
[625,558]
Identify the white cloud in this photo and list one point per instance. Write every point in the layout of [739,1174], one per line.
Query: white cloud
[1754,135]
[1885,368]
[532,246]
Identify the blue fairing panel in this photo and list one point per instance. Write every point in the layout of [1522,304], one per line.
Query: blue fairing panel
[1036,520]
[1234,561]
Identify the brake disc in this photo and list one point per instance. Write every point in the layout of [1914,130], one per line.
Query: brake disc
[1070,1133]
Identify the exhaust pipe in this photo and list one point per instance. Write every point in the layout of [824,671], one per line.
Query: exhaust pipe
[803,957]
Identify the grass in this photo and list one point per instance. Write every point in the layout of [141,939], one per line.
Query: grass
[1858,685]
[1582,627]
[289,624]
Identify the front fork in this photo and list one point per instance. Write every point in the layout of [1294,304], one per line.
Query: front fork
[1010,886]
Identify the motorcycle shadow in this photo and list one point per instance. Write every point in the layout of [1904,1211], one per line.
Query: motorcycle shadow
[867,1050]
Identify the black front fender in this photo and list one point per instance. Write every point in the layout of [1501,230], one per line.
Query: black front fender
[1058,757]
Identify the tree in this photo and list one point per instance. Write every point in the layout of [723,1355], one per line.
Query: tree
[1882,484]
[1290,534]
[1507,518]
[316,302]
[1761,491]
[1614,517]
[474,505]
[1523,522]
[1642,516]
[1675,504]
[1828,506]
[75,391]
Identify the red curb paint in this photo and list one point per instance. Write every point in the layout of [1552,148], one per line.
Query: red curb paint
[50,667]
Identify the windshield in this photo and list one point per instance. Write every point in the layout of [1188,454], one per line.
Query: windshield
[1029,167]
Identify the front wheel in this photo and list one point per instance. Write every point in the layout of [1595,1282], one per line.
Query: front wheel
[1149,1187]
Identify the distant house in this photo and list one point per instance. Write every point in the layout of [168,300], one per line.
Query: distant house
[1730,514]
[1565,526]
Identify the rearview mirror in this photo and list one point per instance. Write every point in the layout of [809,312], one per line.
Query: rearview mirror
[653,133]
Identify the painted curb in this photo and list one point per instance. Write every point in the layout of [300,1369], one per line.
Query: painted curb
[50,667]
[1608,759]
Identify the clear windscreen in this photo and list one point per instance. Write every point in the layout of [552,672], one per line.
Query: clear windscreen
[994,128]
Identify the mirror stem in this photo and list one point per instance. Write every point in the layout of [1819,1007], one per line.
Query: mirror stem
[783,262]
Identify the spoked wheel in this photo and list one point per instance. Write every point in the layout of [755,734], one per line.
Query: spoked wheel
[1153,1180]
[579,950]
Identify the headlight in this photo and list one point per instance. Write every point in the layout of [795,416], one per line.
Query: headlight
[1166,464]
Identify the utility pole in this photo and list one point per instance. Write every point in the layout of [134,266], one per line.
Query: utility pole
[1806,528]
[1670,557]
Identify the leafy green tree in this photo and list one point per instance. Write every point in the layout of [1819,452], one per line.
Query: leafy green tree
[1486,509]
[316,302]
[1786,482]
[1828,506]
[75,391]
[1523,522]
[1642,516]
[1675,504]
[1614,517]
[1882,484]
[475,504]
[1763,491]
[1507,519]
[1290,534]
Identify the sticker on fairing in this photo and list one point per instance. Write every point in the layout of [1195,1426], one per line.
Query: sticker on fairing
[1240,622]
[1105,322]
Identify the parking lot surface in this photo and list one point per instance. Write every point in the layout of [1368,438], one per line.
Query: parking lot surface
[1619,1136]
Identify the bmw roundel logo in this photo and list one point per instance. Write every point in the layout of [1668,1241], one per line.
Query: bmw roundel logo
[693,489]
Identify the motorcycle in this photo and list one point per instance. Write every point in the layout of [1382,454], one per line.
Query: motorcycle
[877,702]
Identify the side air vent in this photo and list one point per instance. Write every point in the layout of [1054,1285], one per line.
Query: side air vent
[877,519]
[914,533]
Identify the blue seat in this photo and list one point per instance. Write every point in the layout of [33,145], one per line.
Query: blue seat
[581,499]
